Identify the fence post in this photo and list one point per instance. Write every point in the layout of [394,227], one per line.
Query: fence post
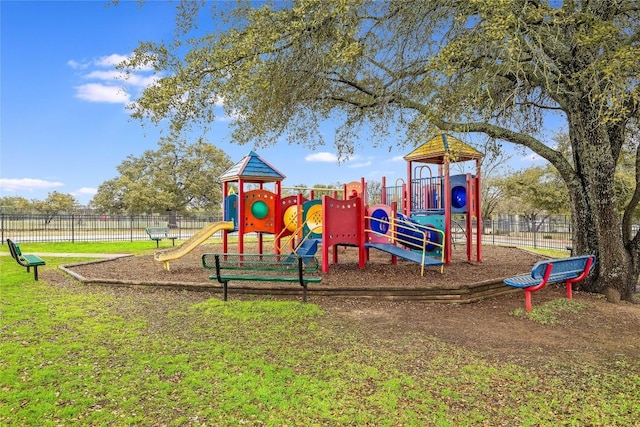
[493,231]
[2,226]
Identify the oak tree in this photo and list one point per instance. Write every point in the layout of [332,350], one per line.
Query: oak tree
[176,177]
[493,67]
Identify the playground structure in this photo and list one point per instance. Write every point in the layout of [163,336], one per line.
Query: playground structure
[413,221]
[435,200]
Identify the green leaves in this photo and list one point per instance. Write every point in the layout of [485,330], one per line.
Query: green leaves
[178,176]
[537,190]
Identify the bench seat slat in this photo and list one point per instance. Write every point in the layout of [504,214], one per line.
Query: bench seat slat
[267,269]
[283,268]
[264,262]
[33,260]
[290,279]
[525,280]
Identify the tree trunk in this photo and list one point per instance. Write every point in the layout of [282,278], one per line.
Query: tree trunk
[597,226]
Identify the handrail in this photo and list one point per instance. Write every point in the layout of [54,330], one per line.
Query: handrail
[402,238]
[278,236]
[395,191]
[420,168]
[294,234]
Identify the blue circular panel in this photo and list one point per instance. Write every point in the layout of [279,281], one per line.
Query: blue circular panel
[458,197]
[380,221]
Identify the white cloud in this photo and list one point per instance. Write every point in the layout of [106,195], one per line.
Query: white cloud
[104,75]
[77,65]
[103,69]
[86,191]
[322,156]
[97,92]
[26,184]
[138,80]
[360,164]
[110,60]
[397,159]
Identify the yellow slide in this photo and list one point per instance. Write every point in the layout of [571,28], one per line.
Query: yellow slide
[192,243]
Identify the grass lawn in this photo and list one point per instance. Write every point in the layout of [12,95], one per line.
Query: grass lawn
[81,356]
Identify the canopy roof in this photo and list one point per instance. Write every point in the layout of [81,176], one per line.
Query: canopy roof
[443,147]
[252,168]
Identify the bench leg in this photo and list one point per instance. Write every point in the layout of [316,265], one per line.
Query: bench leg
[35,272]
[157,244]
[224,291]
[527,299]
[304,293]
[569,290]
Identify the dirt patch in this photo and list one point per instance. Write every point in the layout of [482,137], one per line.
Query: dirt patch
[600,332]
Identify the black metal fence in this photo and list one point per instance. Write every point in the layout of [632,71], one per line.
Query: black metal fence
[548,233]
[87,228]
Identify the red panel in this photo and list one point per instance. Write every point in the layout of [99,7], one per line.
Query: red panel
[341,219]
[343,225]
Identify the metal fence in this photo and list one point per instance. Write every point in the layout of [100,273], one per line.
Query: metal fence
[550,233]
[94,228]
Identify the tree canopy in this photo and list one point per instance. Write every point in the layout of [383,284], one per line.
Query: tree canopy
[55,203]
[494,67]
[539,192]
[176,177]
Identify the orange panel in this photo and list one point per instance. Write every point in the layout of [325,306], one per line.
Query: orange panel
[259,211]
[354,189]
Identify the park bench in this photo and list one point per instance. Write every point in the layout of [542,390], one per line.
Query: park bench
[262,268]
[568,270]
[27,261]
[159,233]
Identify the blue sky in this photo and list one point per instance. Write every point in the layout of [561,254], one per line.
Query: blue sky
[63,122]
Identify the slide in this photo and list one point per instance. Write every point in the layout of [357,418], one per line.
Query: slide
[193,242]
[307,249]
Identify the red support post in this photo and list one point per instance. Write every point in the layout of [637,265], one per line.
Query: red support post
[448,247]
[478,213]
[383,196]
[225,233]
[241,218]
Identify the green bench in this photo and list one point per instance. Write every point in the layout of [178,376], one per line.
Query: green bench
[262,268]
[563,270]
[27,261]
[159,233]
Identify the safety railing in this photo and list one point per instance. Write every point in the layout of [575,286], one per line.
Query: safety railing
[289,239]
[419,241]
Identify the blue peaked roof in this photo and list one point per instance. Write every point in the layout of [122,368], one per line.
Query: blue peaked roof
[252,168]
